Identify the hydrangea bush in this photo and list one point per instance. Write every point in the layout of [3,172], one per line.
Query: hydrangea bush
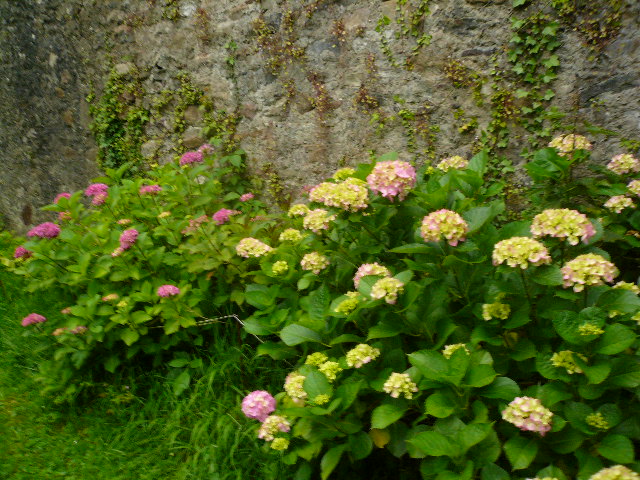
[142,264]
[434,341]
[425,336]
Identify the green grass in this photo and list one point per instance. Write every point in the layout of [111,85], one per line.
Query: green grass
[133,427]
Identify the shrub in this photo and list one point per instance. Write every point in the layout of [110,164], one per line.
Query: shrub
[434,340]
[143,264]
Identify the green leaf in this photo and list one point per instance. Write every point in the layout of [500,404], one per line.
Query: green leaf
[259,296]
[566,324]
[277,351]
[384,329]
[576,414]
[625,372]
[413,248]
[178,362]
[479,162]
[111,364]
[348,392]
[494,472]
[552,393]
[502,388]
[140,317]
[615,339]
[360,445]
[316,383]
[295,334]
[547,275]
[596,373]
[431,364]
[434,444]
[618,299]
[330,461]
[181,383]
[480,376]
[551,472]
[129,336]
[566,441]
[472,434]
[346,338]
[318,302]
[616,448]
[477,217]
[520,451]
[440,404]
[386,414]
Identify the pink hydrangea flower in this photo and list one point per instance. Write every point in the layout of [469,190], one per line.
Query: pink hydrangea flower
[528,414]
[194,224]
[168,291]
[564,224]
[44,230]
[128,238]
[64,216]
[222,215]
[61,195]
[444,223]
[392,179]
[99,199]
[247,196]
[191,157]
[272,425]
[32,318]
[21,252]
[150,189]
[370,269]
[588,269]
[624,163]
[96,189]
[79,330]
[205,149]
[258,405]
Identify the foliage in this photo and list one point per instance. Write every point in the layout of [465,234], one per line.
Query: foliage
[419,330]
[463,339]
[113,290]
[141,429]
[119,121]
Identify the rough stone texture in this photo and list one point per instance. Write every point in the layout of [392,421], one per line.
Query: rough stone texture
[52,50]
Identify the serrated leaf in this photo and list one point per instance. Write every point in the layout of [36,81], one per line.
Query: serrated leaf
[385,415]
[616,448]
[380,437]
[412,248]
[431,364]
[129,336]
[318,302]
[178,362]
[502,388]
[316,383]
[360,445]
[625,372]
[479,376]
[439,405]
[434,444]
[494,472]
[520,452]
[384,329]
[549,275]
[277,351]
[181,382]
[330,461]
[615,339]
[295,334]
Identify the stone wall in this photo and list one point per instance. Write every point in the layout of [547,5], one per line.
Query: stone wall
[309,82]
